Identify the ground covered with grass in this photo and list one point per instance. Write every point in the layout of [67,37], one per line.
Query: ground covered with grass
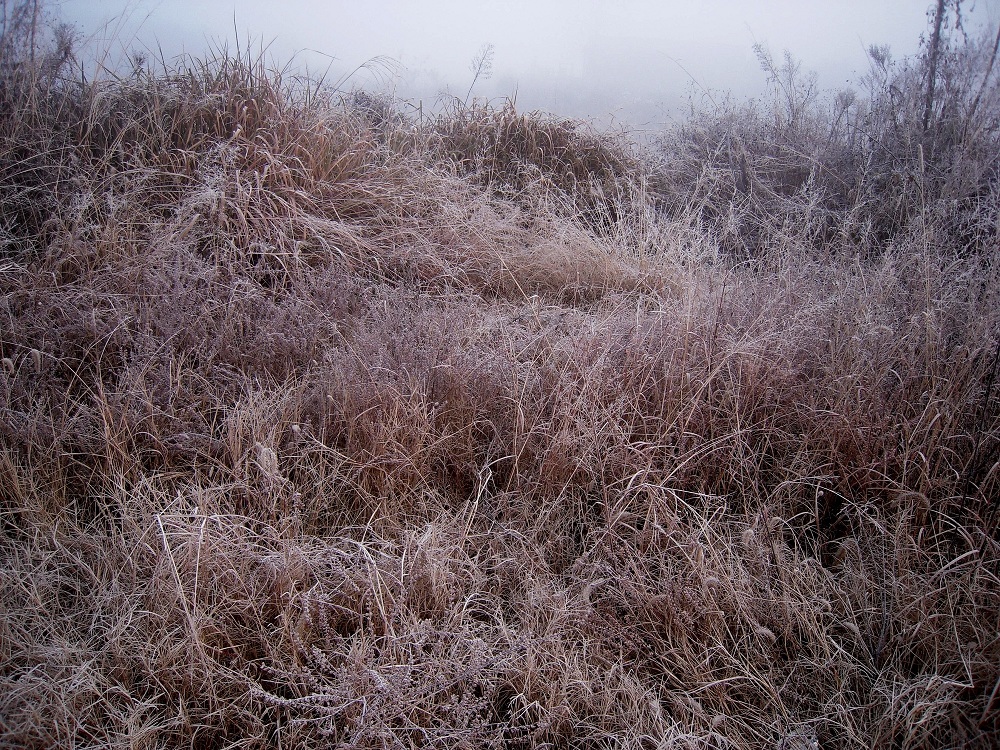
[324,427]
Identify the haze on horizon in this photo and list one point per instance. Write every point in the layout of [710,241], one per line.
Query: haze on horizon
[631,61]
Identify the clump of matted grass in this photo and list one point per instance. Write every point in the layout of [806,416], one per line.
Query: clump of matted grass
[310,440]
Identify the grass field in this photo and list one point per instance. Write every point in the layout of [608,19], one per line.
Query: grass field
[325,427]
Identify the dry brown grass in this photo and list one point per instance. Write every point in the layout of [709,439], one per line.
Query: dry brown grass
[308,439]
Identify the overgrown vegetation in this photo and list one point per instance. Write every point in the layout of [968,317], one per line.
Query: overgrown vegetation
[324,427]
[853,172]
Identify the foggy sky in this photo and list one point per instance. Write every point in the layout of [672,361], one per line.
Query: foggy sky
[628,60]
